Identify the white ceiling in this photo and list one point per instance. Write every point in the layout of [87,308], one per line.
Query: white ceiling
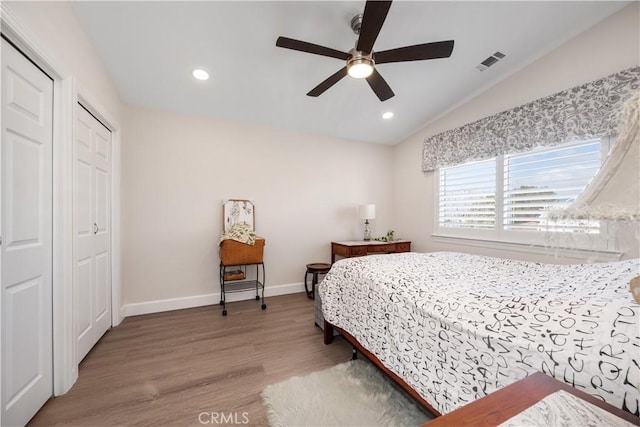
[150,49]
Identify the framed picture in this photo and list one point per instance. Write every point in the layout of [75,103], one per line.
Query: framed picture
[237,211]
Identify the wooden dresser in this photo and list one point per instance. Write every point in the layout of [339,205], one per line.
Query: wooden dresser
[355,248]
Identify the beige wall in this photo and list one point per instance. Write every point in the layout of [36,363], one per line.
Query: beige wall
[177,170]
[606,48]
[55,26]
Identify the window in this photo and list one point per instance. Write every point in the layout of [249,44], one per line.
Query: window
[468,196]
[508,198]
[535,183]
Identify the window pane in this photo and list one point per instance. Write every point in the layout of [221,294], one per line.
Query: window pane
[468,196]
[538,182]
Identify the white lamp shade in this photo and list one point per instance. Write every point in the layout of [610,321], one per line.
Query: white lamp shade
[614,193]
[367,211]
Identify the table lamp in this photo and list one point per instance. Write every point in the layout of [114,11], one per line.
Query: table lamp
[367,212]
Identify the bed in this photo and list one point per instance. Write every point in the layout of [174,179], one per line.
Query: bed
[455,327]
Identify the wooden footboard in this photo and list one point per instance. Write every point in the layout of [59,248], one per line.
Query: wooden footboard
[328,339]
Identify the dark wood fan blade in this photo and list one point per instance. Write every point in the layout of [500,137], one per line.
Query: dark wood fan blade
[310,48]
[416,52]
[379,86]
[375,12]
[333,79]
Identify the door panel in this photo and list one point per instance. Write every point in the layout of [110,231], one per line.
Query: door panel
[103,146]
[84,212]
[26,223]
[27,100]
[24,190]
[84,311]
[21,312]
[23,96]
[93,232]
[102,201]
[103,290]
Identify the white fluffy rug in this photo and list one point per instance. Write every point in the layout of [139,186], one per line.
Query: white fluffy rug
[354,393]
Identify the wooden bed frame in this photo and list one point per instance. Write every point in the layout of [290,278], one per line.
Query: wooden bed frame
[491,409]
[328,339]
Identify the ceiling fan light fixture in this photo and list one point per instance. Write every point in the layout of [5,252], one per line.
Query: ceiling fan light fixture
[360,67]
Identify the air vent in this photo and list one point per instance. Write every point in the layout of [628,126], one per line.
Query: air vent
[490,61]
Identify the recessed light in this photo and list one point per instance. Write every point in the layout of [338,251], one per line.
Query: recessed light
[387,115]
[200,74]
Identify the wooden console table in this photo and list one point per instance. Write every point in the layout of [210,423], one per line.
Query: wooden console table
[355,248]
[501,405]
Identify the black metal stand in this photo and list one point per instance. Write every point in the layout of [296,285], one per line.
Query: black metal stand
[230,286]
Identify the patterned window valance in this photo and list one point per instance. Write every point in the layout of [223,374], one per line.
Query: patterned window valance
[586,111]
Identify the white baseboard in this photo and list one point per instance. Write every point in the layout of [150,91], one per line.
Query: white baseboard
[158,306]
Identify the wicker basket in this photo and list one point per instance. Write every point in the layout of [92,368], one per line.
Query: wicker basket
[236,253]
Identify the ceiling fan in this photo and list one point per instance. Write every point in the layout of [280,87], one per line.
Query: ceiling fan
[361,60]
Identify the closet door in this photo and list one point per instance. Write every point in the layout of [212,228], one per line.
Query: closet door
[26,251]
[92,284]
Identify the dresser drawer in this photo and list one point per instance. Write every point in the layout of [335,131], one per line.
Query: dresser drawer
[358,251]
[380,248]
[403,247]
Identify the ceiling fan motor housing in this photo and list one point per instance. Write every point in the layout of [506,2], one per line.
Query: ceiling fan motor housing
[356,24]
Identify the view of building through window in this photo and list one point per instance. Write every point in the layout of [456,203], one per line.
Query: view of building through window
[536,183]
[516,192]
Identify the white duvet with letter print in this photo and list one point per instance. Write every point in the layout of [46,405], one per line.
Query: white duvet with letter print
[457,327]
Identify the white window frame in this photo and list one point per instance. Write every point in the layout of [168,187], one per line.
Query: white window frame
[474,233]
[538,242]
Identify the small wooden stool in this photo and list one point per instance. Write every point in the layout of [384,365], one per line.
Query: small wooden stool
[314,269]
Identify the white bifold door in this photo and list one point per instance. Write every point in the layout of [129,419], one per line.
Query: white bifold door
[92,228]
[26,249]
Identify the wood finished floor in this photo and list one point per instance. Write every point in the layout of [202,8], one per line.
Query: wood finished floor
[167,368]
